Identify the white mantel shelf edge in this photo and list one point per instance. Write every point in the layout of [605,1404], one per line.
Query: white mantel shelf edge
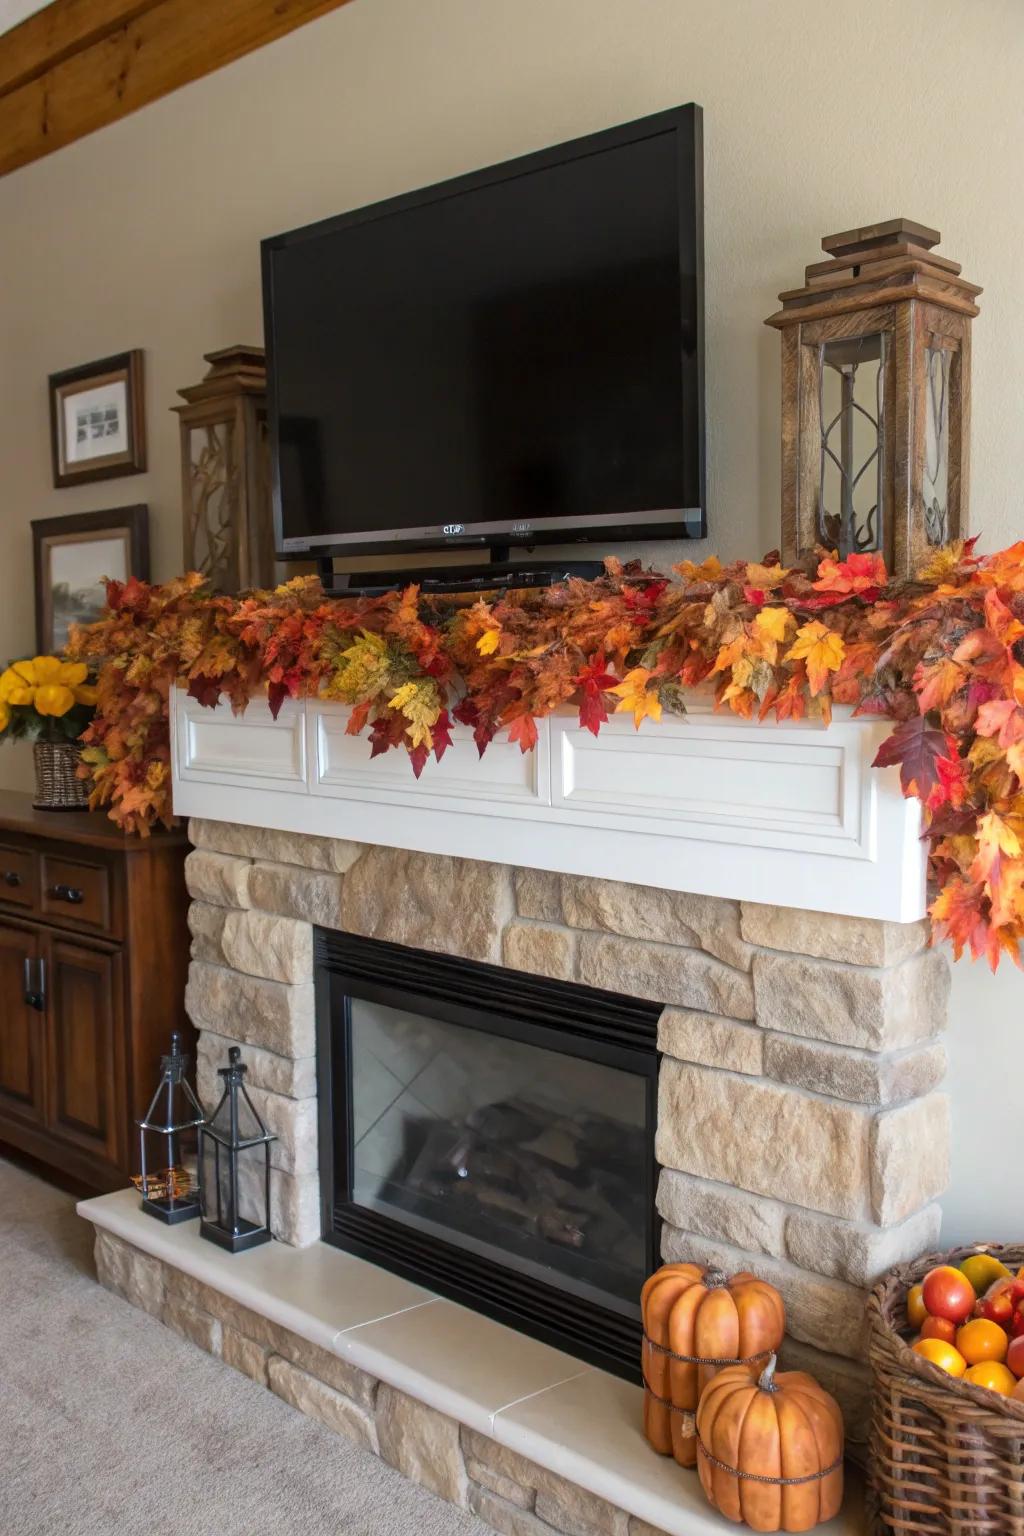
[707,803]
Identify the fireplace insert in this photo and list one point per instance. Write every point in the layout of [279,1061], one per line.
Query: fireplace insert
[490,1134]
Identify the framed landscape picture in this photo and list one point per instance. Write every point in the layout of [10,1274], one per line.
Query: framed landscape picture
[74,557]
[98,420]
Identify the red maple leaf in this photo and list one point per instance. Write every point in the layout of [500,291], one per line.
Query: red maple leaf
[592,682]
[277,692]
[524,730]
[205,690]
[418,757]
[916,747]
[386,731]
[441,731]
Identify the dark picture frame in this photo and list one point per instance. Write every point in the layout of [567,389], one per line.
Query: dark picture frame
[98,420]
[86,548]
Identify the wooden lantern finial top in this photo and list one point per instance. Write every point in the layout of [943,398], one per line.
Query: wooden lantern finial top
[878,263]
[855,242]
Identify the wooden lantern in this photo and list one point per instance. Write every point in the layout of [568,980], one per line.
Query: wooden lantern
[225,472]
[876,391]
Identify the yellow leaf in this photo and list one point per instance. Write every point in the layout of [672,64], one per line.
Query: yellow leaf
[420,703]
[766,576]
[772,623]
[995,831]
[635,695]
[488,642]
[822,651]
[708,571]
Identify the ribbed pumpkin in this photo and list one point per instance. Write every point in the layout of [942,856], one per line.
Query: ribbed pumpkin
[699,1313]
[761,1429]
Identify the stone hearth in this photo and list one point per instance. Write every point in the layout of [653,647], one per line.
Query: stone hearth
[800,1132]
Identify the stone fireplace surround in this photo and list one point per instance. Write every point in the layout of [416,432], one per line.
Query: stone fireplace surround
[800,1130]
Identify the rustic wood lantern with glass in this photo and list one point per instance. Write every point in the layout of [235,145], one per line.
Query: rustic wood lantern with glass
[876,390]
[225,472]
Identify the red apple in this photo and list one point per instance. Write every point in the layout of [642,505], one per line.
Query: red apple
[948,1293]
[1016,1329]
[997,1306]
[1015,1356]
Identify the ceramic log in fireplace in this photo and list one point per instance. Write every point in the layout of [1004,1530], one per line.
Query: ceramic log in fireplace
[491,1135]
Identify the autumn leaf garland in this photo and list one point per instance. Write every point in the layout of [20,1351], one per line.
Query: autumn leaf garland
[942,657]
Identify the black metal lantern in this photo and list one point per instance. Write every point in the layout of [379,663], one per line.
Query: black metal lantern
[169,1190]
[234,1166]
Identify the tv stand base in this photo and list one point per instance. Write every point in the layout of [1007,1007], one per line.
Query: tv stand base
[509,575]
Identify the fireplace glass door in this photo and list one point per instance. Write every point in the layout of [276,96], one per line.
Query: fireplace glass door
[491,1134]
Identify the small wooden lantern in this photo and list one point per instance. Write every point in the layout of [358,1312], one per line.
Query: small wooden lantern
[876,390]
[225,472]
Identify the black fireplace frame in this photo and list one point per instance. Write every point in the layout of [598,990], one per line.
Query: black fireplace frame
[619,1031]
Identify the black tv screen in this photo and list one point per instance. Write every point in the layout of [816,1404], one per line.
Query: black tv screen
[511,357]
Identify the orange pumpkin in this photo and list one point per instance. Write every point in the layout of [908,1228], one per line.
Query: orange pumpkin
[707,1317]
[756,1433]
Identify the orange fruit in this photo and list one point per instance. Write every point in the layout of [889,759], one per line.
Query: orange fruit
[939,1328]
[943,1355]
[990,1374]
[916,1312]
[981,1340]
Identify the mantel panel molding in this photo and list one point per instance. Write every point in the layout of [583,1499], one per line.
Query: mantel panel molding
[708,803]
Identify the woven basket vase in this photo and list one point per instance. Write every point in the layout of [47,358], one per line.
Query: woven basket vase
[947,1458]
[58,787]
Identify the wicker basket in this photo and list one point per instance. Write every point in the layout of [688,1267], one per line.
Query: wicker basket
[946,1456]
[58,787]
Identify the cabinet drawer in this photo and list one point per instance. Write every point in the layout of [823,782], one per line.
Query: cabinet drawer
[74,891]
[18,877]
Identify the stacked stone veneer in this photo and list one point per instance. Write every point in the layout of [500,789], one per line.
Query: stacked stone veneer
[800,1132]
[512,1494]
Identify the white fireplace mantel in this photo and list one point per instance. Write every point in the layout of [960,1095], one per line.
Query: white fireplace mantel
[708,803]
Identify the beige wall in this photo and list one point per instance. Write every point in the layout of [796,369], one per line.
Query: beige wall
[817,117]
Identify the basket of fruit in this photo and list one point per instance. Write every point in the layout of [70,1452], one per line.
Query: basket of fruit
[946,1347]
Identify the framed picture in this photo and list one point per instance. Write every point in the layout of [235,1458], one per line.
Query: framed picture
[74,557]
[98,420]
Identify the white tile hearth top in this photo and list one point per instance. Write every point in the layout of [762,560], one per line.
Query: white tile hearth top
[579,1422]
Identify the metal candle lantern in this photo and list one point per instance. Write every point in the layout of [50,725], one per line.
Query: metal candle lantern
[169,1194]
[234,1166]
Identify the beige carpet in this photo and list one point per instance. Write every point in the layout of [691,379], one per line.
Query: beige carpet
[111,1423]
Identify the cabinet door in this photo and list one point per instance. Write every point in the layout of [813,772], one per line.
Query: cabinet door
[21,1025]
[84,1000]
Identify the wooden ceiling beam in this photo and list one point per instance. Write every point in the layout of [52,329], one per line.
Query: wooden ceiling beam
[112,57]
[56,32]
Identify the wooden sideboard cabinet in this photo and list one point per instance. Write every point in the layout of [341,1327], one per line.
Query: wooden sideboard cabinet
[94,950]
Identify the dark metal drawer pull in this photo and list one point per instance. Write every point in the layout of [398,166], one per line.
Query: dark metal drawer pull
[35,997]
[68,893]
[11,877]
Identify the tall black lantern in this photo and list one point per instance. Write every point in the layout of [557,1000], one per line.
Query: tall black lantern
[169,1189]
[234,1166]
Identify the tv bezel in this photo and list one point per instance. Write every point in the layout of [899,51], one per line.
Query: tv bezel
[666,523]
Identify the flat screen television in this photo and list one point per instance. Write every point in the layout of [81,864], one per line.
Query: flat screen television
[514,357]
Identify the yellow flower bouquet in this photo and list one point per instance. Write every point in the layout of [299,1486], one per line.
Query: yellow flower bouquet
[45,699]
